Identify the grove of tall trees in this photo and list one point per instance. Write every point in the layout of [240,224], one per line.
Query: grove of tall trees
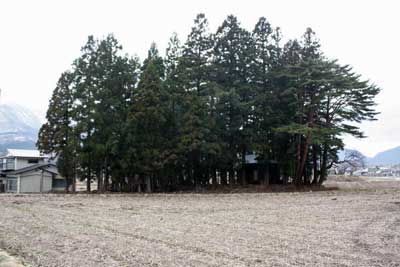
[189,119]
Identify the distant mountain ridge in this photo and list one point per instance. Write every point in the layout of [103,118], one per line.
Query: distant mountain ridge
[387,157]
[18,127]
[384,158]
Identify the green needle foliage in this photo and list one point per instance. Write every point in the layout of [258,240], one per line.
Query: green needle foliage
[191,118]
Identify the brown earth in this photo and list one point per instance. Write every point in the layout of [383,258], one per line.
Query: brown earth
[358,225]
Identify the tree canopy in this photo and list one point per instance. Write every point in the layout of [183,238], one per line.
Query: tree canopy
[193,117]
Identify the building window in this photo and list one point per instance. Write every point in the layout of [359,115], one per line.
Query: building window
[7,164]
[33,161]
[12,185]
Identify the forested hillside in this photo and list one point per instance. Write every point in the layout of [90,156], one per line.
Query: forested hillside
[189,119]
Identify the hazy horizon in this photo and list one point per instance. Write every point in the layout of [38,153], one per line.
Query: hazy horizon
[42,38]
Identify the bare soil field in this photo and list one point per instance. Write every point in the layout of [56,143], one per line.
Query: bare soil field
[358,225]
[7,260]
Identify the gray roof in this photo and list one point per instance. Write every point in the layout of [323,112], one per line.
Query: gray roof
[23,153]
[49,167]
[252,159]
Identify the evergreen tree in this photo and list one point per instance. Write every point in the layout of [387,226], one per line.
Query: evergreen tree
[233,54]
[348,100]
[148,123]
[174,85]
[264,80]
[193,116]
[196,141]
[55,136]
[153,55]
[104,84]
[84,69]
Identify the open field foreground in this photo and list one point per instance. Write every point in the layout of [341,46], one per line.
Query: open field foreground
[356,226]
[7,260]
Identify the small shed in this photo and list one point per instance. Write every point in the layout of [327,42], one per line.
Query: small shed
[261,171]
[39,178]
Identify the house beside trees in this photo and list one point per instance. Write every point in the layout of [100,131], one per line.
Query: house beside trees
[230,107]
[28,171]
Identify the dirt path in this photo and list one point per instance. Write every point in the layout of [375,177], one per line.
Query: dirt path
[332,228]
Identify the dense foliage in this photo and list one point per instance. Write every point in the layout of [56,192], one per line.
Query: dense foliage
[191,118]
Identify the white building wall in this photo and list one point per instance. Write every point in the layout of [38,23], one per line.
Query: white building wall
[35,182]
[15,181]
[47,182]
[24,162]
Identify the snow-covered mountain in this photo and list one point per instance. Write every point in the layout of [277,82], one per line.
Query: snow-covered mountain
[18,127]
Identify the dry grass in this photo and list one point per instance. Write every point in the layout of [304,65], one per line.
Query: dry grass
[358,226]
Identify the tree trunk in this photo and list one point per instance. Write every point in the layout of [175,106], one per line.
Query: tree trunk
[231,177]
[243,171]
[297,177]
[74,178]
[88,180]
[303,158]
[67,182]
[106,181]
[223,177]
[106,176]
[74,183]
[148,184]
[99,177]
[266,175]
[214,177]
[324,164]
[181,178]
[315,164]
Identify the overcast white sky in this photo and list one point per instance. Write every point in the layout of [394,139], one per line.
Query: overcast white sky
[40,39]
